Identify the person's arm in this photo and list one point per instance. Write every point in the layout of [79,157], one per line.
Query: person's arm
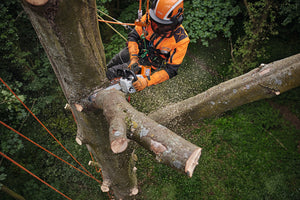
[170,71]
[133,47]
[176,56]
[154,79]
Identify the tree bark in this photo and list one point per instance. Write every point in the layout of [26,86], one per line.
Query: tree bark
[263,82]
[69,33]
[167,147]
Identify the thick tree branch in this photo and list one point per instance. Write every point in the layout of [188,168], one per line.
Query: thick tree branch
[168,147]
[263,82]
[69,33]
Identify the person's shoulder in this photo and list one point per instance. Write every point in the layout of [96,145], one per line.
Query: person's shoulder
[180,34]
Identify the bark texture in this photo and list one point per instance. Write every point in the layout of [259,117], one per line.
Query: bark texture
[266,81]
[167,147]
[37,2]
[69,33]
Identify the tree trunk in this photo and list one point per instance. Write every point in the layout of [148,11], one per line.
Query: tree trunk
[69,33]
[263,82]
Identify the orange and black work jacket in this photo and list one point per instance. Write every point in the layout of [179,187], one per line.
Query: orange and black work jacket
[166,52]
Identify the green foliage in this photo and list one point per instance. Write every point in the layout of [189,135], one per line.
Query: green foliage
[12,59]
[26,73]
[11,105]
[2,176]
[206,19]
[101,6]
[249,49]
[130,13]
[116,42]
[58,174]
[9,38]
[26,69]
[11,143]
[101,2]
[289,10]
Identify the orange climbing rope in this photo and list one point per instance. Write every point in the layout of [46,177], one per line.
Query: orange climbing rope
[87,173]
[32,174]
[99,171]
[136,23]
[96,168]
[7,126]
[44,126]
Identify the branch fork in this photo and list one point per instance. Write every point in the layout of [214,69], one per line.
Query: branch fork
[124,120]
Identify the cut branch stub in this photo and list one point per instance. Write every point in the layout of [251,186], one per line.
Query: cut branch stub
[37,2]
[94,164]
[115,117]
[78,140]
[168,147]
[117,135]
[105,185]
[192,162]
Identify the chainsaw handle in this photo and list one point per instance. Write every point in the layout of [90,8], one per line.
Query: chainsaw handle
[133,74]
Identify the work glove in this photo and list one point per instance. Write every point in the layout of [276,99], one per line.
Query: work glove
[133,61]
[156,78]
[135,68]
[140,84]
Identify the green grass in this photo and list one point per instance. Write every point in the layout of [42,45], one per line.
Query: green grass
[248,153]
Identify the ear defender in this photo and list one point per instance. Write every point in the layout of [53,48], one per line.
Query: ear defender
[153,4]
[178,18]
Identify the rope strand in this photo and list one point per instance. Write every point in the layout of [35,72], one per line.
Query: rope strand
[32,174]
[44,126]
[7,126]
[107,23]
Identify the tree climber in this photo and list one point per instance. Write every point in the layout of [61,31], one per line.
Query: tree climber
[158,46]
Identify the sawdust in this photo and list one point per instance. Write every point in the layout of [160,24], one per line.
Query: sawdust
[192,79]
